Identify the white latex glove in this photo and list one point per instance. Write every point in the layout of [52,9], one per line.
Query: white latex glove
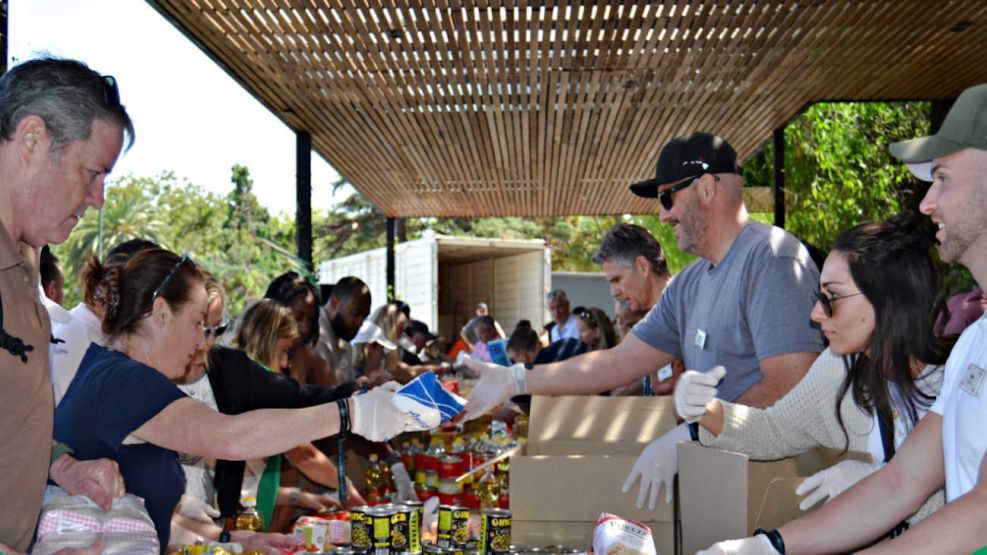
[496,385]
[657,465]
[196,509]
[694,390]
[374,417]
[757,545]
[830,482]
[402,482]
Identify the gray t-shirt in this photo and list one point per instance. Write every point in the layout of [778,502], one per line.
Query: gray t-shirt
[755,304]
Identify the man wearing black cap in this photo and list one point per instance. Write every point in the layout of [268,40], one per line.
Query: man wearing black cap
[744,305]
[947,447]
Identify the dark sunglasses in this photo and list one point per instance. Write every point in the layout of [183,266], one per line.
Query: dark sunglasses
[827,301]
[588,316]
[665,196]
[183,260]
[215,331]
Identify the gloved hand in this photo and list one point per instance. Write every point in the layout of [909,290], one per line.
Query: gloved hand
[756,545]
[657,465]
[196,509]
[830,482]
[402,482]
[496,385]
[374,417]
[694,391]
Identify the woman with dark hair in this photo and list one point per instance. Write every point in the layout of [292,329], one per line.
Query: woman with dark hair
[292,290]
[595,329]
[879,297]
[123,404]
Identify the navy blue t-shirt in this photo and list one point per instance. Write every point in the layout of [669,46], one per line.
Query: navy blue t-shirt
[111,396]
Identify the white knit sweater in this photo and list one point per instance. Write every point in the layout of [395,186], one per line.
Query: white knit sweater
[805,418]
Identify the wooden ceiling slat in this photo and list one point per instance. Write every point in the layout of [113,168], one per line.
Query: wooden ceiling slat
[454,108]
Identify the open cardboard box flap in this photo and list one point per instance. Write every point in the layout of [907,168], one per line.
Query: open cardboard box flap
[580,450]
[724,495]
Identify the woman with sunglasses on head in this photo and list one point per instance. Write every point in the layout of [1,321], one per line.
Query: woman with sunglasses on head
[123,404]
[595,329]
[878,304]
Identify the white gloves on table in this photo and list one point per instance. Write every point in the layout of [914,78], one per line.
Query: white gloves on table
[657,465]
[757,545]
[196,509]
[694,391]
[496,385]
[830,482]
[403,484]
[373,416]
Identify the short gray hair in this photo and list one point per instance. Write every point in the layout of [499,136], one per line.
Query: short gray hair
[556,295]
[624,242]
[67,95]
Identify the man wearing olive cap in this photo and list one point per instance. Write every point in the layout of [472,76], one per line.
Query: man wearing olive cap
[946,448]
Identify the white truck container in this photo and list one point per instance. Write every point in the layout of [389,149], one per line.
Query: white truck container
[443,278]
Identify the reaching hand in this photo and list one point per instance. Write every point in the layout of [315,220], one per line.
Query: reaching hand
[99,479]
[694,391]
[496,385]
[657,465]
[402,482]
[196,509]
[374,417]
[830,482]
[274,544]
[757,545]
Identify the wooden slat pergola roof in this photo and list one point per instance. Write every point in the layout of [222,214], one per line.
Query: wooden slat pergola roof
[435,108]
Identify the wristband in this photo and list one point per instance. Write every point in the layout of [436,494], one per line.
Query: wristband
[393,458]
[58,450]
[520,380]
[344,415]
[774,537]
[694,431]
[293,498]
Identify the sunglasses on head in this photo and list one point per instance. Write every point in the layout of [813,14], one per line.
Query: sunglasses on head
[215,331]
[183,260]
[665,195]
[588,316]
[827,301]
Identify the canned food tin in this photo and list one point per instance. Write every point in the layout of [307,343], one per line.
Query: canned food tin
[450,466]
[361,533]
[405,530]
[495,531]
[453,520]
[380,524]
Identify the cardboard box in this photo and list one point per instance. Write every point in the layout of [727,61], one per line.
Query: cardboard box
[724,495]
[580,450]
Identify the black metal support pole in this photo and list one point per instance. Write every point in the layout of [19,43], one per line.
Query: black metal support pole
[390,258]
[303,197]
[779,142]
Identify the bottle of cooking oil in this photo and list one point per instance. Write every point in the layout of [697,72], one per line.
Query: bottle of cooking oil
[249,518]
[489,490]
[374,480]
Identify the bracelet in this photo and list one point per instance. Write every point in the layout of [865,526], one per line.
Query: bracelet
[58,450]
[293,498]
[344,415]
[774,537]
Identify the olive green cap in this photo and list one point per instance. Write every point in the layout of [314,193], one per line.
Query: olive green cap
[965,126]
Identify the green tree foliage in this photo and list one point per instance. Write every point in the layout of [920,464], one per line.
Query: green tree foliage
[837,166]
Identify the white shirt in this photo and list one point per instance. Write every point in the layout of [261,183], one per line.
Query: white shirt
[963,406]
[82,329]
[199,471]
[566,330]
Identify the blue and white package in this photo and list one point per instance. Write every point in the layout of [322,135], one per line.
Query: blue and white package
[425,400]
[497,349]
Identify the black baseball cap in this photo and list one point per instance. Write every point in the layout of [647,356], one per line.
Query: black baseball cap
[689,156]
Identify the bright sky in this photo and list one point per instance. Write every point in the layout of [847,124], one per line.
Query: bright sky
[190,116]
